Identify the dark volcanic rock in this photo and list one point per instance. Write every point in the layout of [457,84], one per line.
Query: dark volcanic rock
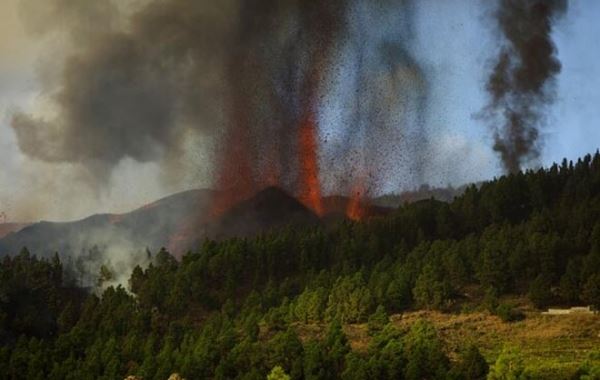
[271,208]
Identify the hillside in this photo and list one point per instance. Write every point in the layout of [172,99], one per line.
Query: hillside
[432,290]
[150,226]
[444,194]
[8,228]
[541,339]
[270,209]
[336,208]
[178,222]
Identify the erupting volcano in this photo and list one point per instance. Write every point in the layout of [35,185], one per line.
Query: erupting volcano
[303,95]
[273,135]
[289,64]
[247,91]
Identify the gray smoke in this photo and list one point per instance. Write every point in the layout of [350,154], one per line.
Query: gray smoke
[128,87]
[521,84]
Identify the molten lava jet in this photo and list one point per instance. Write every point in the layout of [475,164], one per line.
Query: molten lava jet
[357,208]
[310,186]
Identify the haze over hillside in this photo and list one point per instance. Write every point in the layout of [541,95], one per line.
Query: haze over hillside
[181,221]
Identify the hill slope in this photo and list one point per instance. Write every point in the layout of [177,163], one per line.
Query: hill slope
[150,226]
[8,228]
[319,300]
[177,222]
[269,209]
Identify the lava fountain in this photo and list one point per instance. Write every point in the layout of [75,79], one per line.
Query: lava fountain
[357,207]
[310,186]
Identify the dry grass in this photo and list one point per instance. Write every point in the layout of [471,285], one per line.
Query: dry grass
[573,334]
[553,346]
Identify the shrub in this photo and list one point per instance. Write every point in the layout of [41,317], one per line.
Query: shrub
[472,365]
[508,313]
[509,365]
[278,374]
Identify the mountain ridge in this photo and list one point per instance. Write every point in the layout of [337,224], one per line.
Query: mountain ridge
[181,220]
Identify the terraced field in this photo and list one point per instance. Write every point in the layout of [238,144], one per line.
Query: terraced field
[553,347]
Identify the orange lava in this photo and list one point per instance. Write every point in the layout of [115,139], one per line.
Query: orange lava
[310,186]
[357,209]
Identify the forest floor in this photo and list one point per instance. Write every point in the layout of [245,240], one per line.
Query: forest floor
[553,346]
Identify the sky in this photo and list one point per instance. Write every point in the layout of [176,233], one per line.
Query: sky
[453,43]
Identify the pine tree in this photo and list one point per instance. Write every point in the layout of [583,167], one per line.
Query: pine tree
[424,353]
[591,291]
[472,365]
[377,320]
[539,291]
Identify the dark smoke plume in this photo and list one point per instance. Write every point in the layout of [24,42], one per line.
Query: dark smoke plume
[521,83]
[239,70]
[129,86]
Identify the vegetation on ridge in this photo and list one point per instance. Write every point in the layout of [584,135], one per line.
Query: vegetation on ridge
[240,309]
